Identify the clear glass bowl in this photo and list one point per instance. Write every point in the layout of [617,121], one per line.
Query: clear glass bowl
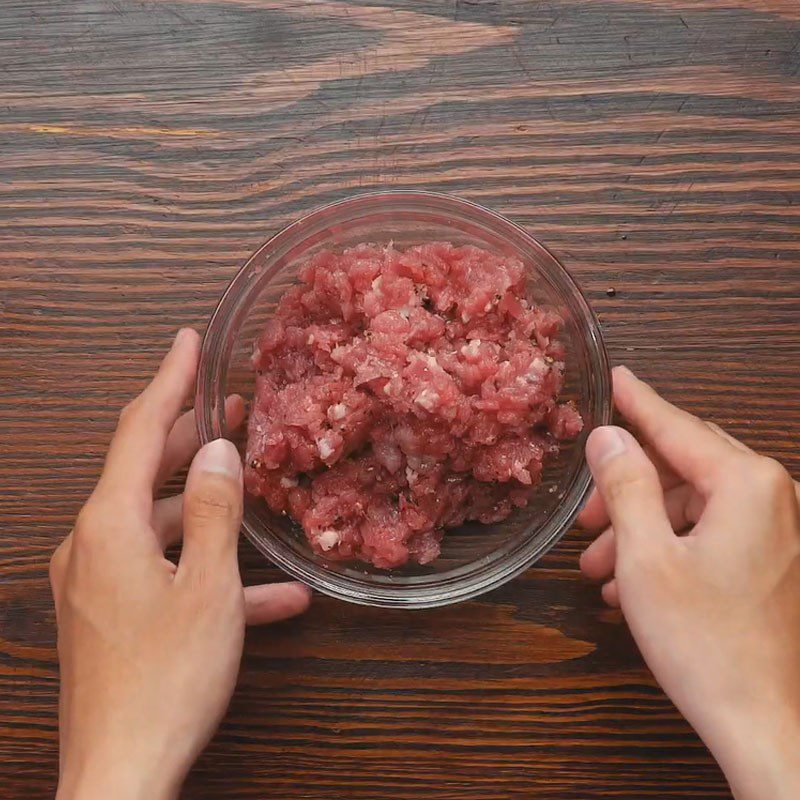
[475,558]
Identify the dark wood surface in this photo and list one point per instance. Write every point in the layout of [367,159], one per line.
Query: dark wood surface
[146,148]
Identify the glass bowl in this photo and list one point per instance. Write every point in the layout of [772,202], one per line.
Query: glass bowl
[475,558]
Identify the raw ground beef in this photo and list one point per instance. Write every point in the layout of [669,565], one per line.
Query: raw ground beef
[402,392]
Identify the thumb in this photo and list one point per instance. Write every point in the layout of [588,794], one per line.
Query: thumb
[212,509]
[629,485]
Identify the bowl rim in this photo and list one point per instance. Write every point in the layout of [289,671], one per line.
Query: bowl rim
[446,591]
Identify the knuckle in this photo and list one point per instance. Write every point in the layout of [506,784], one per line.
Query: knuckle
[128,411]
[647,560]
[57,564]
[215,499]
[91,524]
[209,588]
[770,477]
[636,560]
[626,483]
[637,564]
[86,522]
[135,412]
[73,597]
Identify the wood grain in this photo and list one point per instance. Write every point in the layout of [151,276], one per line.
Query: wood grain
[146,148]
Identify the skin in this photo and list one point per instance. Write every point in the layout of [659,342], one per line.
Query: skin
[700,547]
[150,650]
[698,542]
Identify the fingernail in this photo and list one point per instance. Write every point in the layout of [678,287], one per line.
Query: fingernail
[220,456]
[306,590]
[625,370]
[180,336]
[603,444]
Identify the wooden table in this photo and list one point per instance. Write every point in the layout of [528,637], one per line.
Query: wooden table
[146,148]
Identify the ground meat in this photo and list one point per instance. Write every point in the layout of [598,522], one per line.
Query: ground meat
[402,392]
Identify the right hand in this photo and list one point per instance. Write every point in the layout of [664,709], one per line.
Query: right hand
[699,543]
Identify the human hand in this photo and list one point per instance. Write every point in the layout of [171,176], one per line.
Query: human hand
[150,650]
[714,610]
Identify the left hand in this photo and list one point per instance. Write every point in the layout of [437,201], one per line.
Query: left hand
[150,650]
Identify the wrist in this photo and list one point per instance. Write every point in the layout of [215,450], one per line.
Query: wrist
[117,778]
[760,755]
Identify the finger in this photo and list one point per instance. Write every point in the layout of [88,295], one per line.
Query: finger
[685,442]
[629,484]
[594,516]
[728,438]
[273,602]
[58,566]
[58,562]
[212,510]
[610,594]
[138,444]
[167,520]
[683,509]
[597,560]
[668,477]
[183,443]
